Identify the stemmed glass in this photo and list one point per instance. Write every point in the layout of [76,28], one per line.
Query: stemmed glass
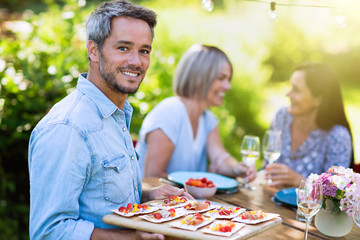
[356,216]
[309,200]
[271,147]
[250,151]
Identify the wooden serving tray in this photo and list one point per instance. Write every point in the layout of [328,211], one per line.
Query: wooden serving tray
[164,228]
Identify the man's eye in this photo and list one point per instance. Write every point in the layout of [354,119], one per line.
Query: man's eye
[122,48]
[146,52]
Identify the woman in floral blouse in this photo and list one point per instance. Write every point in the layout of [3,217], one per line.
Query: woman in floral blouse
[315,131]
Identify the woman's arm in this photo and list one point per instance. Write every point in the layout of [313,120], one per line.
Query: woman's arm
[158,153]
[222,162]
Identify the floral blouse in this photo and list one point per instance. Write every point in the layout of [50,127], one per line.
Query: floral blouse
[321,150]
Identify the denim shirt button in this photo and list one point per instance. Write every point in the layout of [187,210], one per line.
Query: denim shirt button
[132,157]
[136,188]
[124,129]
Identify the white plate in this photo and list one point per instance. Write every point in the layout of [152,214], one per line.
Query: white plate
[159,204]
[211,207]
[221,182]
[179,224]
[150,210]
[268,217]
[234,213]
[236,228]
[178,213]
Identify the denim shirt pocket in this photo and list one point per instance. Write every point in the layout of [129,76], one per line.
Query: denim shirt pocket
[118,184]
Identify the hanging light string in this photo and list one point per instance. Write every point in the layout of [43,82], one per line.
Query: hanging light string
[273,14]
[300,5]
[208,5]
[339,20]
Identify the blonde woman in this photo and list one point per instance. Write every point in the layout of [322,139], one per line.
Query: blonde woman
[180,133]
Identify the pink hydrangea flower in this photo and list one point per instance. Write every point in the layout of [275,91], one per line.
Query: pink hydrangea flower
[342,186]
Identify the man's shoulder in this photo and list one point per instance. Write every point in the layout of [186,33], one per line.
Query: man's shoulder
[75,110]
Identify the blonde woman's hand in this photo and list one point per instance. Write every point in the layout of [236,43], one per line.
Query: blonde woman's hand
[245,172]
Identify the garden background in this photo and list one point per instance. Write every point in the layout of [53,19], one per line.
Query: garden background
[42,51]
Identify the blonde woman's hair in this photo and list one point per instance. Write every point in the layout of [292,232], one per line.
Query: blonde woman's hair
[197,70]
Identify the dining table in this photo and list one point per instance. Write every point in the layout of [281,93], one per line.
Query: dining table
[261,198]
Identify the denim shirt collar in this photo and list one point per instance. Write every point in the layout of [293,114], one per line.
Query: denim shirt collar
[104,104]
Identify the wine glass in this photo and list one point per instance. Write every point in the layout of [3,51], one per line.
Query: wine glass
[356,216]
[250,151]
[271,147]
[309,200]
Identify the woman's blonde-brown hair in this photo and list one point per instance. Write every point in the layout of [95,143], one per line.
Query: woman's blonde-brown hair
[197,70]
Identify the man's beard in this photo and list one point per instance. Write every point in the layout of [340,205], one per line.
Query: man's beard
[110,78]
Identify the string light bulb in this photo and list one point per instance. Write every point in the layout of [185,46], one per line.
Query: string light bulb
[340,20]
[273,14]
[208,5]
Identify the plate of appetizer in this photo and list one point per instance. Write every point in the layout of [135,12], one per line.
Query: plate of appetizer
[134,209]
[171,202]
[225,212]
[255,217]
[192,222]
[198,206]
[223,228]
[164,215]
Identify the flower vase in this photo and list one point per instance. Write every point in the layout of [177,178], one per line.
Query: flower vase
[333,222]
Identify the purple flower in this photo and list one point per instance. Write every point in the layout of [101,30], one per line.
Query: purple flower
[342,186]
[330,191]
[324,179]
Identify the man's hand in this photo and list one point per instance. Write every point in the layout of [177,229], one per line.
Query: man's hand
[282,176]
[164,191]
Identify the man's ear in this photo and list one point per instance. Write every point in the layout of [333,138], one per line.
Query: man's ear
[93,51]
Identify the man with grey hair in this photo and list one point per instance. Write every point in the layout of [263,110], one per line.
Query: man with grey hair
[82,163]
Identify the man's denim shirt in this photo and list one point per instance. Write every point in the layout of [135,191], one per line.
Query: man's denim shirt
[82,164]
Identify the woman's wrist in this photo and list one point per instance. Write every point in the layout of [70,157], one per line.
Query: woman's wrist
[217,164]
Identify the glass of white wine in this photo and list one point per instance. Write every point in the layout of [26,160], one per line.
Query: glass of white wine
[356,216]
[271,147]
[309,200]
[250,151]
